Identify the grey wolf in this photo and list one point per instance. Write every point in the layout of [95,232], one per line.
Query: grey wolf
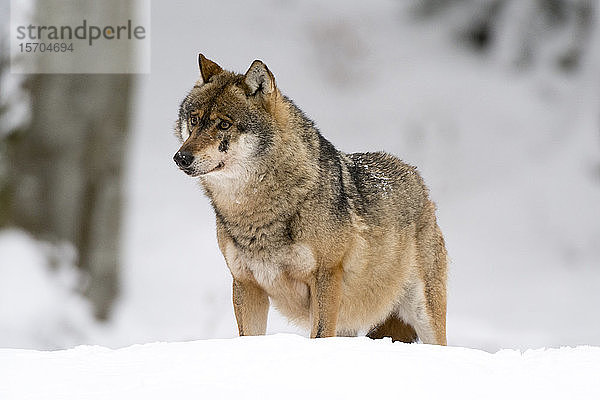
[339,243]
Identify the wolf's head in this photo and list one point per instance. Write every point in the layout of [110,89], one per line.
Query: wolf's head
[226,123]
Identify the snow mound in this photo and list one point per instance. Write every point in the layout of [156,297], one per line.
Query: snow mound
[290,367]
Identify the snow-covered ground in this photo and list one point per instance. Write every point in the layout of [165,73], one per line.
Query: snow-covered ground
[292,367]
[511,157]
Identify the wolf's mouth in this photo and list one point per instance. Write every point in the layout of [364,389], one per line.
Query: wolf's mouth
[195,172]
[219,166]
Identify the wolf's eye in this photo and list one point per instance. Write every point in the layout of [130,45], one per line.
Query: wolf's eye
[194,120]
[224,125]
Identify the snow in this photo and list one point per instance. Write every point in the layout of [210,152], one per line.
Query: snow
[292,367]
[40,306]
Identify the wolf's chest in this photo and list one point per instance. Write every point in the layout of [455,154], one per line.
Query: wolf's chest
[266,272]
[272,269]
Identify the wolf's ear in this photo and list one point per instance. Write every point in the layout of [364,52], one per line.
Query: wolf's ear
[208,68]
[259,79]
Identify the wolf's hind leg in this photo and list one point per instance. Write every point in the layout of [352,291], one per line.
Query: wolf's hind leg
[395,328]
[435,289]
[433,261]
[436,308]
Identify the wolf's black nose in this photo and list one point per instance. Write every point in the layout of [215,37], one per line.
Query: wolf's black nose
[183,159]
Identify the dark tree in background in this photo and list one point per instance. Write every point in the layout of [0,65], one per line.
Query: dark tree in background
[556,36]
[63,171]
[522,32]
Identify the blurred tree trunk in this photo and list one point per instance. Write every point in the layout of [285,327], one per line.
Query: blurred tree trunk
[66,168]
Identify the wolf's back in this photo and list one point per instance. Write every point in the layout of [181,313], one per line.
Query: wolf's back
[386,188]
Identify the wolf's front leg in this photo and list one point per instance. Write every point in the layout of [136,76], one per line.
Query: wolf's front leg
[325,296]
[251,307]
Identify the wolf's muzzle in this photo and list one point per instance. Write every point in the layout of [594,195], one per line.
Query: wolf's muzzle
[183,159]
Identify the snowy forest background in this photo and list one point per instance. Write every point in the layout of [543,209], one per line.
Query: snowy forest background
[495,101]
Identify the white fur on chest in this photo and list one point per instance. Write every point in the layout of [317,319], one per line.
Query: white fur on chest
[291,262]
